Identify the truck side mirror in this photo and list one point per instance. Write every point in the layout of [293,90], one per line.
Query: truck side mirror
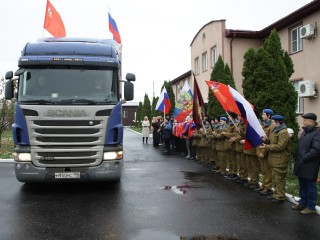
[130,77]
[9,87]
[9,75]
[128,91]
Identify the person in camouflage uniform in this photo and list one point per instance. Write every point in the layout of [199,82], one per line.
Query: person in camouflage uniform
[199,135]
[229,145]
[253,167]
[207,143]
[220,145]
[195,143]
[215,124]
[278,147]
[266,187]
[239,144]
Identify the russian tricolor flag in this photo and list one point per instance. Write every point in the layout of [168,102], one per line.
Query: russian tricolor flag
[254,130]
[113,28]
[163,104]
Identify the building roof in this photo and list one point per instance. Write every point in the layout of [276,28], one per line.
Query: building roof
[181,77]
[222,20]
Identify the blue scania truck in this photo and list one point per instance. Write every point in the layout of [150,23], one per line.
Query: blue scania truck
[68,95]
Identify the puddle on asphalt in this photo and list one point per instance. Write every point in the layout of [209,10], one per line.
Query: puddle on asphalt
[180,189]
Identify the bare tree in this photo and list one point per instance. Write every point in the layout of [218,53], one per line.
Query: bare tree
[6,112]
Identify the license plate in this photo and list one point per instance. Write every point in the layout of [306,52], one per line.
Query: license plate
[67,175]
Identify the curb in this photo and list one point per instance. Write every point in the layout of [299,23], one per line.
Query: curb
[9,160]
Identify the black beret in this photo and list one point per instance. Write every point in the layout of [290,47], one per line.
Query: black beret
[311,116]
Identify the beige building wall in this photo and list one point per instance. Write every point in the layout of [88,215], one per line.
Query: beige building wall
[212,35]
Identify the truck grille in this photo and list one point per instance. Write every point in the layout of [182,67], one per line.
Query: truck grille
[61,143]
[67,132]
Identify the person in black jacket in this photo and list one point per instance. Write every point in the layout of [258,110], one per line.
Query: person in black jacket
[307,162]
[155,124]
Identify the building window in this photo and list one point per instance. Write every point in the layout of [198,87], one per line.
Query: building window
[300,100]
[197,66]
[296,41]
[204,61]
[124,114]
[213,56]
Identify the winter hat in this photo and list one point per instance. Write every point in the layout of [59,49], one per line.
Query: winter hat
[311,116]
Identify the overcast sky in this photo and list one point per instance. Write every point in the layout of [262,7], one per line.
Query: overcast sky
[156,35]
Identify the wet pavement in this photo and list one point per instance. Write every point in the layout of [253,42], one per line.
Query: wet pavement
[160,196]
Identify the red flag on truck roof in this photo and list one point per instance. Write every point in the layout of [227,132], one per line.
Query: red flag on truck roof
[53,22]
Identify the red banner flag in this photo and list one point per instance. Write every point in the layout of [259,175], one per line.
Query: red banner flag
[53,22]
[222,93]
[198,104]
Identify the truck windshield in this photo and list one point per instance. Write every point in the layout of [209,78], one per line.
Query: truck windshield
[68,86]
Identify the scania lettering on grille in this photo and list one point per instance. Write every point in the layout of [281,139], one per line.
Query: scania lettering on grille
[66,113]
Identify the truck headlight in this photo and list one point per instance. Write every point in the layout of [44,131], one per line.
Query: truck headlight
[113,155]
[23,157]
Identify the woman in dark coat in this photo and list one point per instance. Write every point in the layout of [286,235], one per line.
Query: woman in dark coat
[307,164]
[156,131]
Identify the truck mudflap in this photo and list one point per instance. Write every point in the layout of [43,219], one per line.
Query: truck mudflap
[106,171]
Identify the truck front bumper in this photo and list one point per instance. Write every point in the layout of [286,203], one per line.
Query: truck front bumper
[106,171]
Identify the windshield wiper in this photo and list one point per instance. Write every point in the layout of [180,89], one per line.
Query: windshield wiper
[77,101]
[38,102]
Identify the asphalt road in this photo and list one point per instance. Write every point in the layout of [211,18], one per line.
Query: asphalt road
[159,197]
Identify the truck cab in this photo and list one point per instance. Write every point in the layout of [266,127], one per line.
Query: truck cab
[68,110]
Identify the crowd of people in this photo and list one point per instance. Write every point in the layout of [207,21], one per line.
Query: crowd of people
[220,144]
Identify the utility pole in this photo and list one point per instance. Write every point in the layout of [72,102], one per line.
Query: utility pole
[153,88]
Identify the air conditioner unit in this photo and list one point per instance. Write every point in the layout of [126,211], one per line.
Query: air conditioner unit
[307,31]
[307,88]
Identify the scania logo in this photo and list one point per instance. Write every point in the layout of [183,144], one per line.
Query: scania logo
[66,113]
